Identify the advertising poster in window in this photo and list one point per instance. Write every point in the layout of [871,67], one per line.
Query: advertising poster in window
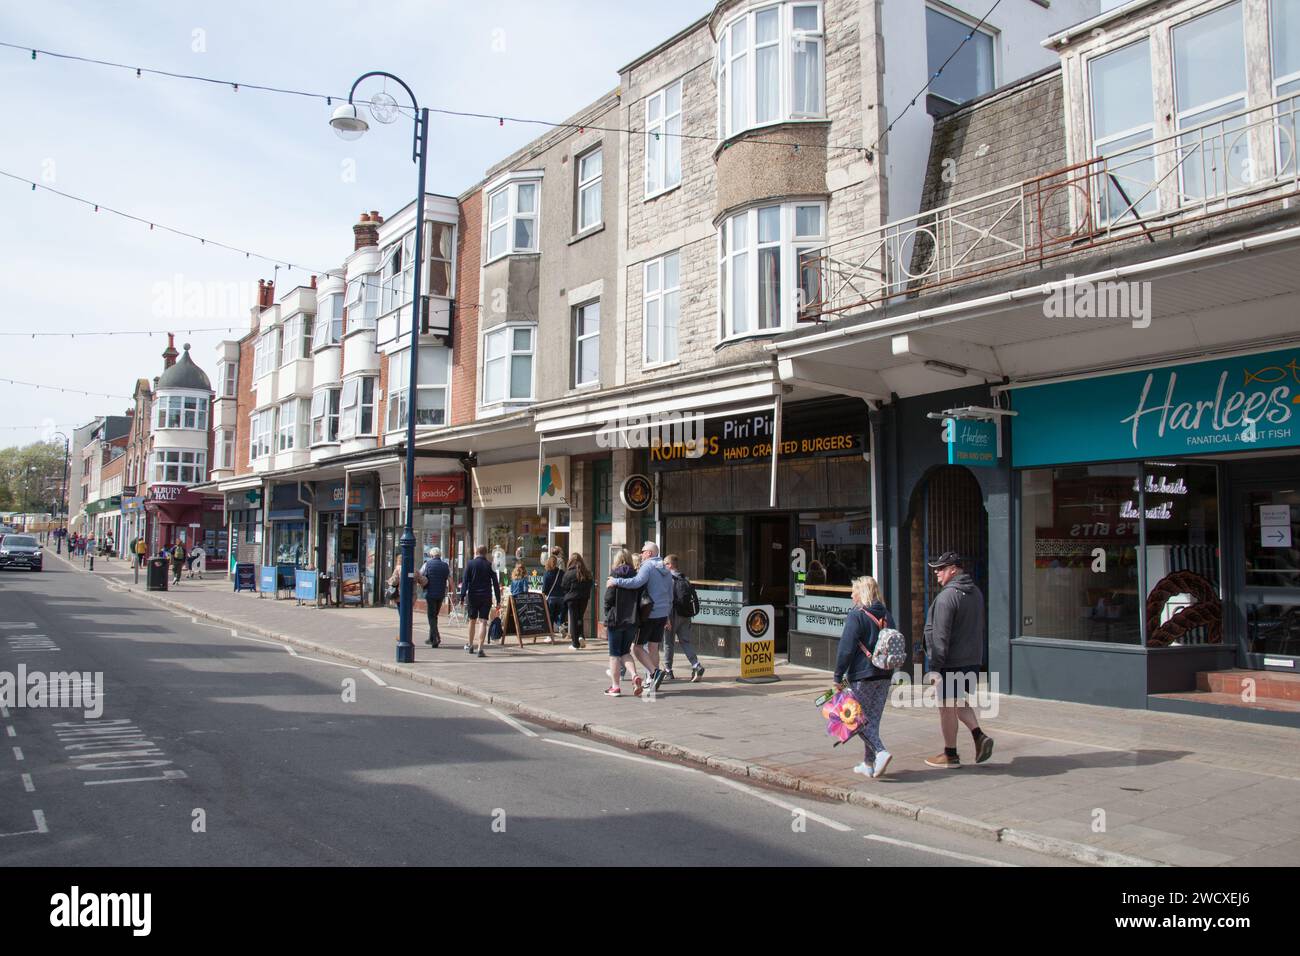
[350,583]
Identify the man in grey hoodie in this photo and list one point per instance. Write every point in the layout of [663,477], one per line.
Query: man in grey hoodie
[655,577]
[954,644]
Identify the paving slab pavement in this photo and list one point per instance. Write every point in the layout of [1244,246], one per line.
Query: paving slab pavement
[1093,784]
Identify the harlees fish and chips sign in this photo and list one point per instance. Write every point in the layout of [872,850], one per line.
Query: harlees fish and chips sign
[1243,403]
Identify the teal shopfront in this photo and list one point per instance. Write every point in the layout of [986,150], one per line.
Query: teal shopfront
[1156,530]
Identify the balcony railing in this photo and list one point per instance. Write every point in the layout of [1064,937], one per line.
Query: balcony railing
[1230,163]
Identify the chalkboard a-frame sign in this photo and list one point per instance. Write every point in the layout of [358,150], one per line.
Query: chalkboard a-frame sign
[526,615]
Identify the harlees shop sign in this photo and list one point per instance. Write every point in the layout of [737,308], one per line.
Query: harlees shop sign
[1245,403]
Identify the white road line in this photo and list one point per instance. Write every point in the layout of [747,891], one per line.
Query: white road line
[259,640]
[374,677]
[27,783]
[4,711]
[511,721]
[292,651]
[768,798]
[877,838]
[620,756]
[445,700]
[166,775]
[41,826]
[9,729]
[18,753]
[321,660]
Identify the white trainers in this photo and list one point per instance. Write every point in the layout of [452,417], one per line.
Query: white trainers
[882,761]
[865,769]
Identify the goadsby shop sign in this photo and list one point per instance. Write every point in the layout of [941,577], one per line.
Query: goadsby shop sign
[1244,403]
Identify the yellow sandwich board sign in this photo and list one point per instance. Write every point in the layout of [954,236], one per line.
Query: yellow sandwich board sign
[757,644]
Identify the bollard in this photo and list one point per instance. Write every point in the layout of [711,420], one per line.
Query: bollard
[137,572]
[92,562]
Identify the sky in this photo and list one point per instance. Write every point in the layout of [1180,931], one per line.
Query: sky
[259,171]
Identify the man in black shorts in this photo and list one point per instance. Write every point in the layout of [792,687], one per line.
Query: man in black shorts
[954,642]
[480,591]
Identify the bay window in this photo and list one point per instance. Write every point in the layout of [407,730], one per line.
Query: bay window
[397,278]
[760,283]
[430,390]
[227,379]
[1209,82]
[296,338]
[179,467]
[508,364]
[226,449]
[663,140]
[590,169]
[586,344]
[970,71]
[512,219]
[329,320]
[293,425]
[261,433]
[325,415]
[266,353]
[357,418]
[661,308]
[771,67]
[363,301]
[176,411]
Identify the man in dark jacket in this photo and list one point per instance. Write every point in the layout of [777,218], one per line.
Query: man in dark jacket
[480,591]
[437,572]
[954,643]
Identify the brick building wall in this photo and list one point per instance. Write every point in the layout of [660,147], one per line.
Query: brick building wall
[464,333]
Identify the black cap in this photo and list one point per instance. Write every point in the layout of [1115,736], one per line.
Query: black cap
[945,559]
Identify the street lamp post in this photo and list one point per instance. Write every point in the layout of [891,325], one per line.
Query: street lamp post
[349,124]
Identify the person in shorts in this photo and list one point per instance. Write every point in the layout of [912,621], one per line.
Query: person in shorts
[954,644]
[620,605]
[480,591]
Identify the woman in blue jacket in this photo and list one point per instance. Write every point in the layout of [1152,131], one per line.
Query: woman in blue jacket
[869,684]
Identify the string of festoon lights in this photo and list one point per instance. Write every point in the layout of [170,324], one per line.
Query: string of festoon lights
[57,388]
[501,119]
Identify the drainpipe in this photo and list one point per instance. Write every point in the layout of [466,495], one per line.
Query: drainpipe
[309,512]
[877,479]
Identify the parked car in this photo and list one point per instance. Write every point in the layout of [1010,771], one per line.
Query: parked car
[21,551]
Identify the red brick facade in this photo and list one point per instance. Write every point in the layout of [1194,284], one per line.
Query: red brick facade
[464,333]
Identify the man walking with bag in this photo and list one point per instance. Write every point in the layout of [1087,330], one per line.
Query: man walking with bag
[954,643]
[436,572]
[686,604]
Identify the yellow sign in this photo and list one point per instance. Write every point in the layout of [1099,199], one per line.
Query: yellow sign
[757,643]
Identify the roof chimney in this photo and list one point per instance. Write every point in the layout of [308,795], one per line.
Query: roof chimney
[313,282]
[265,293]
[366,231]
[170,353]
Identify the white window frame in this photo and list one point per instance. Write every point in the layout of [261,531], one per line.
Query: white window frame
[352,412]
[395,286]
[1099,144]
[1286,148]
[362,302]
[659,297]
[228,379]
[580,314]
[589,184]
[226,449]
[790,245]
[397,401]
[507,358]
[261,433]
[325,407]
[174,466]
[968,22]
[728,73]
[668,140]
[296,338]
[328,329]
[511,217]
[288,426]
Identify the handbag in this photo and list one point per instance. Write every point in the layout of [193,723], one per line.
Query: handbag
[644,606]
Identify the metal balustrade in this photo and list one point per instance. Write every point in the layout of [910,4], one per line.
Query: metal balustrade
[1216,168]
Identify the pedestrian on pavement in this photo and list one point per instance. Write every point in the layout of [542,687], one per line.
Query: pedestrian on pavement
[575,588]
[395,585]
[679,622]
[621,605]
[480,591]
[178,561]
[954,644]
[437,573]
[519,580]
[554,593]
[141,549]
[658,583]
[868,683]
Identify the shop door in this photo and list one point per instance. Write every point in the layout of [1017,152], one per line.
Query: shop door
[1268,577]
[604,541]
[769,571]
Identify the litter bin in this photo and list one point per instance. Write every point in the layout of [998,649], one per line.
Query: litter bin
[157,578]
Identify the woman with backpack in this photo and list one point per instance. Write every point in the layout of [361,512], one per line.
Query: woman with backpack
[621,625]
[551,590]
[870,684]
[575,593]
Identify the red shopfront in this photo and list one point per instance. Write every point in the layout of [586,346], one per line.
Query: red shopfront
[441,518]
[178,515]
